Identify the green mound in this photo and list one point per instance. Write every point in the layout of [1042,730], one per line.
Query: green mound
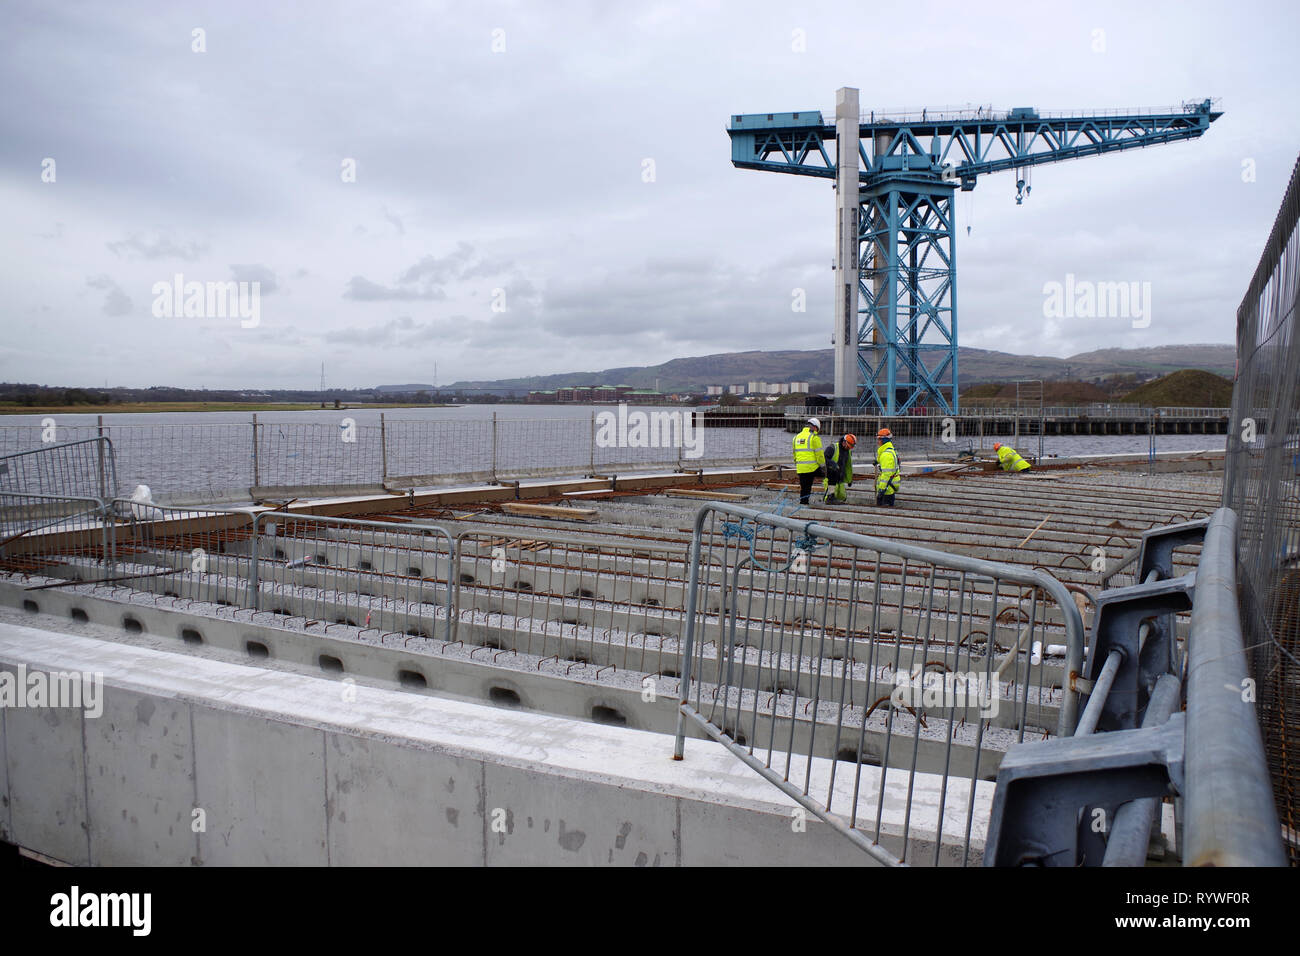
[1190,386]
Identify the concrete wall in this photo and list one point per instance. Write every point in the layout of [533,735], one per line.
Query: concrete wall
[296,769]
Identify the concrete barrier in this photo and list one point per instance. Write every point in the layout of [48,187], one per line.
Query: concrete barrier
[206,762]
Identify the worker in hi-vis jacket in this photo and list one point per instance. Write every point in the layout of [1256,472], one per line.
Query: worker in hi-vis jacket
[839,469]
[1009,458]
[888,474]
[809,459]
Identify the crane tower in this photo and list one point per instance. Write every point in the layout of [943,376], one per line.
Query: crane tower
[896,250]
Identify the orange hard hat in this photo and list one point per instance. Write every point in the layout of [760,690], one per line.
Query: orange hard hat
[884,433]
[850,440]
[997,445]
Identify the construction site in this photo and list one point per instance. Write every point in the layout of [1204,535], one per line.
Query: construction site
[564,606]
[432,643]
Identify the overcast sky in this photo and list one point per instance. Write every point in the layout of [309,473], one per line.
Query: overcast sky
[503,146]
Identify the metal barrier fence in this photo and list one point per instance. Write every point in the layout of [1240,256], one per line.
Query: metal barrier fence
[200,556]
[373,575]
[604,604]
[1092,798]
[193,463]
[86,467]
[1031,413]
[260,460]
[49,535]
[389,578]
[1262,485]
[841,666]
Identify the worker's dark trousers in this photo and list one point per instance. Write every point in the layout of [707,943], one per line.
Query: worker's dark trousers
[883,500]
[806,479]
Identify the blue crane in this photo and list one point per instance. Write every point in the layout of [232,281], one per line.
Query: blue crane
[896,246]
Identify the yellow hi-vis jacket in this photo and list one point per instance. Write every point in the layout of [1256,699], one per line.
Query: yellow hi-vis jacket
[839,459]
[889,477]
[808,455]
[1011,460]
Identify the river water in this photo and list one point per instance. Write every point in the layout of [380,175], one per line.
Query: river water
[197,455]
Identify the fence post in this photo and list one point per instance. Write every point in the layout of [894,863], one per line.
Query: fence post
[591,467]
[100,446]
[257,479]
[254,585]
[758,445]
[109,531]
[383,450]
[494,448]
[1151,443]
[681,436]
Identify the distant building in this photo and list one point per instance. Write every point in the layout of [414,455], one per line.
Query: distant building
[736,389]
[713,389]
[543,395]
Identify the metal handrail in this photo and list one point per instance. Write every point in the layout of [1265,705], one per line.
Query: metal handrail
[1230,816]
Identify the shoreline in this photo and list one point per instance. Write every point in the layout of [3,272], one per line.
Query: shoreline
[136,408]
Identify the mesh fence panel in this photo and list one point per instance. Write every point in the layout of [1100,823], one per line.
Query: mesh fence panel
[84,468]
[1262,484]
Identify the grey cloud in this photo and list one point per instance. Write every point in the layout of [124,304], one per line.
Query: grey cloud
[426,278]
[116,302]
[440,270]
[361,289]
[402,331]
[158,246]
[486,267]
[256,273]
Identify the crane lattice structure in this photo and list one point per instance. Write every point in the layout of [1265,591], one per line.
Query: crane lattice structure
[896,246]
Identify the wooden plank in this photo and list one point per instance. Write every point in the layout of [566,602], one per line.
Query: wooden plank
[712,495]
[549,511]
[1034,532]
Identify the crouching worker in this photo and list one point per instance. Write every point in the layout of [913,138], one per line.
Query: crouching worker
[839,469]
[888,475]
[1010,459]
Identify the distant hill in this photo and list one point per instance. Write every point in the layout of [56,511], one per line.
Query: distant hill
[1053,393]
[976,366]
[1187,387]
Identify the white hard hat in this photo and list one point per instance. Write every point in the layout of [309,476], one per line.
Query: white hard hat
[815,423]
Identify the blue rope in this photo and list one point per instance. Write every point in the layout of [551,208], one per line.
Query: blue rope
[806,544]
